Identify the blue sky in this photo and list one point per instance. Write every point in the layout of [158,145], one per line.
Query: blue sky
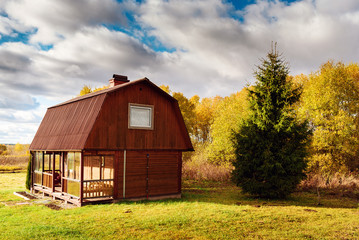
[50,49]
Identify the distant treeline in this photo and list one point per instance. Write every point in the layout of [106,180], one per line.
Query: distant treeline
[329,101]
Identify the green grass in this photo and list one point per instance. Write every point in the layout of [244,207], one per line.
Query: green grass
[207,210]
[10,183]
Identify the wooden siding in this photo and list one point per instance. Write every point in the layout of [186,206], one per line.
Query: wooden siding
[160,178]
[67,127]
[100,121]
[111,129]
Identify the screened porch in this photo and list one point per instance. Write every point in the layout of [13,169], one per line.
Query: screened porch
[72,176]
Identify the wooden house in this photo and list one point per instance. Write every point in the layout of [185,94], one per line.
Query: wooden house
[124,142]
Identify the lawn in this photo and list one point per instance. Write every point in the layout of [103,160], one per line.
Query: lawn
[208,210]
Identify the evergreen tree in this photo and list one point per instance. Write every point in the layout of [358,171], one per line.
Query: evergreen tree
[271,144]
[28,174]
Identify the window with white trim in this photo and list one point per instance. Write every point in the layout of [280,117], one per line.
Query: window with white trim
[140,116]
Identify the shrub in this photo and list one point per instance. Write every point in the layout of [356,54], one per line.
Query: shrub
[3,149]
[28,175]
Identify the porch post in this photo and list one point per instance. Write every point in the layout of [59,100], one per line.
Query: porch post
[53,172]
[43,168]
[62,161]
[81,176]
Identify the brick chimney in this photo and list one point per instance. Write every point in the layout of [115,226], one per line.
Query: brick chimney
[117,80]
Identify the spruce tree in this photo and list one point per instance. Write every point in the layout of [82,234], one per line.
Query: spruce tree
[270,145]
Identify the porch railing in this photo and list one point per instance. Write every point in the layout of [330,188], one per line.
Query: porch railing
[71,186]
[97,188]
[47,179]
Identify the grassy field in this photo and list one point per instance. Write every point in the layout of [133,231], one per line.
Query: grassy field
[208,210]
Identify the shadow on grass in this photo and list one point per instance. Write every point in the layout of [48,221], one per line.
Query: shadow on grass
[219,193]
[228,194]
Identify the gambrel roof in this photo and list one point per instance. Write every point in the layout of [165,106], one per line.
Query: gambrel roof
[99,121]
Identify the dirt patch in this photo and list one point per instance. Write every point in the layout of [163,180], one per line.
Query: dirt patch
[40,200]
[310,210]
[27,195]
[53,206]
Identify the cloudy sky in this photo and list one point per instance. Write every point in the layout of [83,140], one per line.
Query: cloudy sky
[50,48]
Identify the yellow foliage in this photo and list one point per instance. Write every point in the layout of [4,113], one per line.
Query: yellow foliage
[87,89]
[205,110]
[3,149]
[166,88]
[188,111]
[330,101]
[18,147]
[229,112]
[100,88]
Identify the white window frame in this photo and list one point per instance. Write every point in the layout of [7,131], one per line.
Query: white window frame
[140,106]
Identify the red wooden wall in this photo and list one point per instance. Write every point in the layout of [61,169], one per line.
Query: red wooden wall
[147,173]
[162,177]
[111,131]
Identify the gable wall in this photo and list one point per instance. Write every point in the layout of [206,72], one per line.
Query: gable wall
[111,131]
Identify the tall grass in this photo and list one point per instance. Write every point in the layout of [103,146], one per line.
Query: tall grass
[197,167]
[14,159]
[338,184]
[203,170]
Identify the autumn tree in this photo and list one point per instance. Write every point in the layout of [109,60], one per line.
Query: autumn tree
[3,149]
[188,111]
[228,114]
[204,110]
[197,113]
[166,88]
[87,89]
[270,145]
[330,101]
[18,147]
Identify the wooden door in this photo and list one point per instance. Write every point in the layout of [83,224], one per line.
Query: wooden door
[152,173]
[136,174]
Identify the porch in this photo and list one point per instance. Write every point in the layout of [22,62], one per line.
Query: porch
[73,177]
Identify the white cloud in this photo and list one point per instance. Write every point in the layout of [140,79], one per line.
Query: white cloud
[337,8]
[214,52]
[14,132]
[56,20]
[308,32]
[9,26]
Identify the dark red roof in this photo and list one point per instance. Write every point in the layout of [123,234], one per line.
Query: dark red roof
[67,126]
[94,94]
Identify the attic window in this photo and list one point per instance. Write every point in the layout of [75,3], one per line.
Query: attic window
[140,116]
